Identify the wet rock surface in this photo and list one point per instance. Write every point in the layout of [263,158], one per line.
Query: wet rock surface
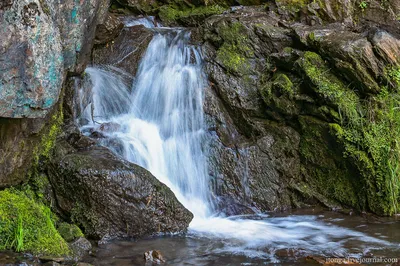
[272,144]
[112,197]
[125,51]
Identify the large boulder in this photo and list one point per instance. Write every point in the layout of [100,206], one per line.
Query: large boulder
[110,197]
[41,42]
[31,63]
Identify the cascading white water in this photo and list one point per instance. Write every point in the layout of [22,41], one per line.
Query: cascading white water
[161,128]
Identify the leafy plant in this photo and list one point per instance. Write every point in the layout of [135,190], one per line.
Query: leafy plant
[363,5]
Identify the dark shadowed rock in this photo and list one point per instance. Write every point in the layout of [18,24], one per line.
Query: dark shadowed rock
[111,197]
[109,30]
[126,50]
[80,247]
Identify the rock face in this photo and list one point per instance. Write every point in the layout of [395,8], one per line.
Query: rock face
[40,39]
[32,64]
[41,42]
[111,197]
[290,127]
[125,51]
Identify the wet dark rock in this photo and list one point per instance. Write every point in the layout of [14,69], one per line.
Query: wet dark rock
[97,135]
[272,145]
[229,207]
[80,247]
[112,197]
[46,259]
[126,50]
[19,143]
[33,65]
[109,30]
[154,256]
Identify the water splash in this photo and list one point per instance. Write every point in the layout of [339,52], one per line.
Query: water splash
[161,127]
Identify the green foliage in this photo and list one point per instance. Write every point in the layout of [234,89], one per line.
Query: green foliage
[172,14]
[235,50]
[363,5]
[28,226]
[369,132]
[393,73]
[329,87]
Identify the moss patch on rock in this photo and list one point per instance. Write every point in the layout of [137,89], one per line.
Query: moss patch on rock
[324,167]
[69,232]
[28,226]
[292,5]
[190,16]
[235,50]
[279,93]
[369,131]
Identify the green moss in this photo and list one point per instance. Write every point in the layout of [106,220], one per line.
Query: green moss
[324,167]
[28,226]
[235,50]
[69,232]
[171,14]
[45,7]
[369,131]
[83,216]
[280,84]
[232,59]
[48,140]
[279,94]
[329,87]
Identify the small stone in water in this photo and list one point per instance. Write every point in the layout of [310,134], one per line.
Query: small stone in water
[154,256]
[110,127]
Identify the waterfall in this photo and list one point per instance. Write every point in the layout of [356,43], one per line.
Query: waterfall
[161,120]
[158,123]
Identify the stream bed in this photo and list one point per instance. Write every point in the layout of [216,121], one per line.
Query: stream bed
[322,234]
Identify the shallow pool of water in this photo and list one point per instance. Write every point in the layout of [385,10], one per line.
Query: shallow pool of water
[293,237]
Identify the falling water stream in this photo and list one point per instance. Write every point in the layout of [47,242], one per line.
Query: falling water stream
[161,127]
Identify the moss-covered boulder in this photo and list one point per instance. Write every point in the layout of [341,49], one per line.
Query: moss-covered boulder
[69,232]
[28,226]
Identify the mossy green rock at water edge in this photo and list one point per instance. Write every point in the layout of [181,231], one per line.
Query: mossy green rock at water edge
[69,232]
[27,226]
